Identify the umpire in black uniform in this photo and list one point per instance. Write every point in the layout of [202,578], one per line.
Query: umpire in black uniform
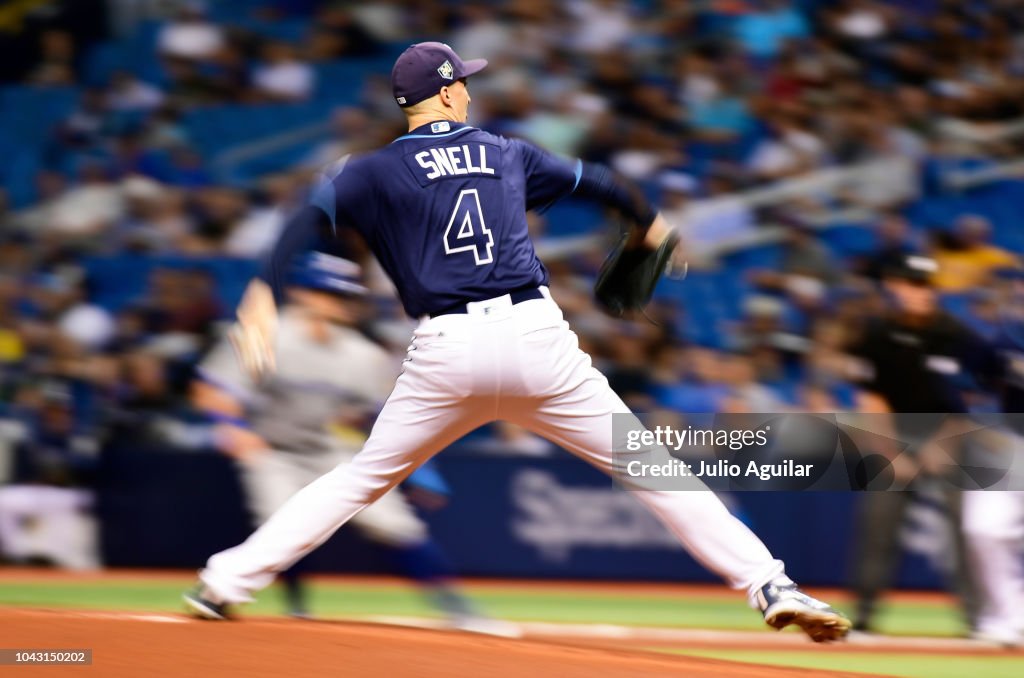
[914,360]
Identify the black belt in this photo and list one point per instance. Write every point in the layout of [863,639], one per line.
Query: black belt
[522,294]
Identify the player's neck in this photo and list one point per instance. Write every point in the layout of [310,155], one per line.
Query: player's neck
[427,117]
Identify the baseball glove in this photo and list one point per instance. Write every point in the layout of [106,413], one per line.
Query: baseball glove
[627,278]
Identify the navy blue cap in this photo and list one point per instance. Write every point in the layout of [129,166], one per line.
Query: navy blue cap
[913,267]
[423,69]
[319,271]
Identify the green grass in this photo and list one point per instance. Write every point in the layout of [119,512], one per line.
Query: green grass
[916,619]
[341,599]
[156,596]
[909,665]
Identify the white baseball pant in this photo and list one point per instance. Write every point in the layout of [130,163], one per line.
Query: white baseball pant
[520,363]
[994,532]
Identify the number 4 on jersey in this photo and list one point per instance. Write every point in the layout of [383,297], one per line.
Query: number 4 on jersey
[467,231]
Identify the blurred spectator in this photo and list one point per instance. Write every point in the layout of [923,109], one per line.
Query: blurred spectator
[698,81]
[187,169]
[763,335]
[483,32]
[965,258]
[859,22]
[720,219]
[191,36]
[601,26]
[146,397]
[804,256]
[806,268]
[338,33]
[629,375]
[559,128]
[128,94]
[723,115]
[56,63]
[163,130]
[180,301]
[86,124]
[88,209]
[894,241]
[282,76]
[788,149]
[153,219]
[89,326]
[767,25]
[826,364]
[45,513]
[746,394]
[12,348]
[257,230]
[349,127]
[390,20]
[693,385]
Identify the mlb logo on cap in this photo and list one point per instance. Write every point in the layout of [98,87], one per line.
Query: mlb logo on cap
[423,69]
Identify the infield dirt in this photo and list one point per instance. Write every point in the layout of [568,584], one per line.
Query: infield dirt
[129,645]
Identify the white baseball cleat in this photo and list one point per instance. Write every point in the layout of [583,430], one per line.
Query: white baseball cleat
[1004,638]
[783,604]
[202,604]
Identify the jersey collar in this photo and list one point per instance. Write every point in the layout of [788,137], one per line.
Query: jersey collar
[440,128]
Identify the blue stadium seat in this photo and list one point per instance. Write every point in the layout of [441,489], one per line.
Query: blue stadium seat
[850,240]
[29,113]
[758,256]
[342,82]
[957,304]
[121,280]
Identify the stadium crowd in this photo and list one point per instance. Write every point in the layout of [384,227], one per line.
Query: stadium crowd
[128,244]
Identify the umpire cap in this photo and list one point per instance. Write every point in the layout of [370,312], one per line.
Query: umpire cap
[913,267]
[326,273]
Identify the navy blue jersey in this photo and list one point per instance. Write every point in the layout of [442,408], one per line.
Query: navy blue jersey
[443,208]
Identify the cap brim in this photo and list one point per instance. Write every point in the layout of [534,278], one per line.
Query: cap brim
[473,66]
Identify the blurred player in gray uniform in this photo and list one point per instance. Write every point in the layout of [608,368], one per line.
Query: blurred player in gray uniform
[301,422]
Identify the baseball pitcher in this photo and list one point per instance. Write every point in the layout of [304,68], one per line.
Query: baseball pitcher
[443,208]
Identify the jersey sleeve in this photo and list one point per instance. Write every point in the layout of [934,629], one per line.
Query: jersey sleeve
[548,177]
[333,202]
[221,368]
